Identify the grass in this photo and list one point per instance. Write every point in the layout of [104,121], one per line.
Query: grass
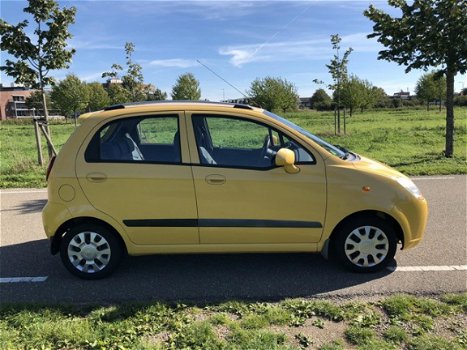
[410,140]
[395,322]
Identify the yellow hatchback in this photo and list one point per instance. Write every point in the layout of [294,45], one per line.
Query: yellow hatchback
[199,177]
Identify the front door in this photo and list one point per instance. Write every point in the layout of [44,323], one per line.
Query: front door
[132,170]
[242,197]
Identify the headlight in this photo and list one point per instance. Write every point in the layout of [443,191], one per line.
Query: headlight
[410,186]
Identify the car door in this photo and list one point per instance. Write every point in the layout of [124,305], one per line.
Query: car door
[135,170]
[242,197]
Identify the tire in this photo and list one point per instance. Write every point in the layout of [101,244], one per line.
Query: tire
[365,244]
[90,251]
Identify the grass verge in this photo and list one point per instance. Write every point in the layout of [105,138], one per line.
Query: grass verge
[395,322]
[411,141]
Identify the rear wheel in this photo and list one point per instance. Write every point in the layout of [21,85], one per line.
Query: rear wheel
[366,244]
[90,251]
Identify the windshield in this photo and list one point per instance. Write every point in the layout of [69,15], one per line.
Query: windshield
[327,146]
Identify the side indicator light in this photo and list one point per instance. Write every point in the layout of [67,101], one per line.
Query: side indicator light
[366,188]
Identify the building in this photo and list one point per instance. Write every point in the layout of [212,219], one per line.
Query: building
[403,95]
[305,102]
[13,102]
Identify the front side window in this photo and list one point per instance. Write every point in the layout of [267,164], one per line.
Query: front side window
[145,139]
[235,142]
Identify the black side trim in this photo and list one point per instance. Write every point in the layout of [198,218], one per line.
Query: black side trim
[257,223]
[162,223]
[221,223]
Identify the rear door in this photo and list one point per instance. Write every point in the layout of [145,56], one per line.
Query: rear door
[135,170]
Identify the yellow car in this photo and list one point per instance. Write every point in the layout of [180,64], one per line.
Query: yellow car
[200,177]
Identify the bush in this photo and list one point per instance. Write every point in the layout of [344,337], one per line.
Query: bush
[460,101]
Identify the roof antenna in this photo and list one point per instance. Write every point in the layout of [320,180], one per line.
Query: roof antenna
[217,75]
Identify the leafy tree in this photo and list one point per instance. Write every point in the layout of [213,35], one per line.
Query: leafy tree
[320,100]
[430,86]
[274,94]
[132,81]
[118,94]
[38,54]
[98,97]
[380,98]
[186,88]
[70,96]
[338,70]
[429,33]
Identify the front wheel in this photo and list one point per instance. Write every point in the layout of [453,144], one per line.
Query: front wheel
[365,244]
[90,251]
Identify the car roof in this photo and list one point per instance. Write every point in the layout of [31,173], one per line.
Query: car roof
[157,106]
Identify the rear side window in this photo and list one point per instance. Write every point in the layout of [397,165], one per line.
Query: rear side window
[140,140]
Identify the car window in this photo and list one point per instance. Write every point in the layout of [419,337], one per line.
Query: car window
[145,139]
[157,130]
[235,142]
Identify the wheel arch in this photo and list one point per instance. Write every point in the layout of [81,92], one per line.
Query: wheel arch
[66,226]
[367,213]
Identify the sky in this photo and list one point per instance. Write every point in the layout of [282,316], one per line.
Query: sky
[239,40]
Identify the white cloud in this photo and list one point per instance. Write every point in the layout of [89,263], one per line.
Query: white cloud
[292,50]
[174,62]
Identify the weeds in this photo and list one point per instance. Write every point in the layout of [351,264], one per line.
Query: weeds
[390,323]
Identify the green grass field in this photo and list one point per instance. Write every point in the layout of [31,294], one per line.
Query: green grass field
[395,322]
[410,140]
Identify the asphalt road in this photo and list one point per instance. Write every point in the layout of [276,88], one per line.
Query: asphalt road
[437,265]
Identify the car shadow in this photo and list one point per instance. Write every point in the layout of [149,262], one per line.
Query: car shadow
[28,207]
[177,278]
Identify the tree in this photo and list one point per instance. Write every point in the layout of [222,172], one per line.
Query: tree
[132,81]
[338,70]
[274,94]
[186,88]
[98,98]
[70,96]
[429,33]
[429,87]
[320,100]
[118,94]
[380,98]
[38,54]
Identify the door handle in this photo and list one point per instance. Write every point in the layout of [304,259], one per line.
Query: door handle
[215,179]
[96,177]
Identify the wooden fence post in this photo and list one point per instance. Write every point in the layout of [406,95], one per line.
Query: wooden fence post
[40,159]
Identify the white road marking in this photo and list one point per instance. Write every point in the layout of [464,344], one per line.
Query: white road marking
[20,192]
[427,268]
[433,178]
[23,279]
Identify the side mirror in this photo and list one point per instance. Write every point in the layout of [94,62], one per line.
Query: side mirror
[286,158]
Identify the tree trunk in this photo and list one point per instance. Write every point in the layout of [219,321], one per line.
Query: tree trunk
[41,85]
[427,105]
[449,150]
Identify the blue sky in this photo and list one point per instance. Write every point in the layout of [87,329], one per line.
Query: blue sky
[240,40]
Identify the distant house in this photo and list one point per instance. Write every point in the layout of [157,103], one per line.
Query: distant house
[304,102]
[13,102]
[112,81]
[402,95]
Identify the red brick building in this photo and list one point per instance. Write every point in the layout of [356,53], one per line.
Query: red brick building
[12,102]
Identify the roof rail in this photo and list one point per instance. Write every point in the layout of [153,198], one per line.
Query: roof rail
[111,108]
[124,105]
[241,106]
